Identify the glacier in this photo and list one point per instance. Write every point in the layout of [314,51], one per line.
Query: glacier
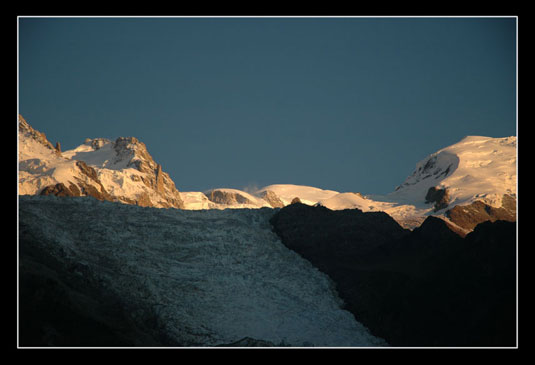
[212,277]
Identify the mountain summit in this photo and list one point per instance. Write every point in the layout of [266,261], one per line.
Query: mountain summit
[476,168]
[120,170]
[469,182]
[466,183]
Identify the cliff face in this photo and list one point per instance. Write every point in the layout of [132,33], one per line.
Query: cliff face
[130,171]
[120,170]
[271,198]
[438,196]
[469,216]
[227,197]
[27,131]
[233,198]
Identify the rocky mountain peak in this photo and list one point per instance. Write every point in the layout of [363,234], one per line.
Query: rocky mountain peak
[134,153]
[96,143]
[99,167]
[27,131]
[432,170]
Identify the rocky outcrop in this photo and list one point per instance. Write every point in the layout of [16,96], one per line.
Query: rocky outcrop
[159,179]
[98,192]
[438,196]
[296,200]
[40,137]
[437,166]
[509,203]
[88,171]
[61,190]
[135,154]
[226,197]
[96,143]
[83,182]
[469,216]
[272,199]
[82,187]
[428,287]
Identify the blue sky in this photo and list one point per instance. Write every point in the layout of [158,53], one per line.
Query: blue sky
[348,104]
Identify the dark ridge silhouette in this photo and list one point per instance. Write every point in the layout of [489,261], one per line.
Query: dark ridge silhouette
[428,287]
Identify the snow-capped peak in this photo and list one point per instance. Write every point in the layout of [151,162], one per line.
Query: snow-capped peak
[124,152]
[475,167]
[307,194]
[123,168]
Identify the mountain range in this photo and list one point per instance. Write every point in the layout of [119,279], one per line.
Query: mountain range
[111,253]
[464,184]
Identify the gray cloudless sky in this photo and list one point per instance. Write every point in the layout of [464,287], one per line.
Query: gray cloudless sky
[348,104]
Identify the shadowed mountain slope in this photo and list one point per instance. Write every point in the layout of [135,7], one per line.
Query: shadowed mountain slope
[428,287]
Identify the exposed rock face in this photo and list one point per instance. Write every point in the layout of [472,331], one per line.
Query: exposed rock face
[134,153]
[24,127]
[509,203]
[83,182]
[88,171]
[438,196]
[97,143]
[159,179]
[227,197]
[82,188]
[438,166]
[99,168]
[61,190]
[295,200]
[272,198]
[469,216]
[428,287]
[475,168]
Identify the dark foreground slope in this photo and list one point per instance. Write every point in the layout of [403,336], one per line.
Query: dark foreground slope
[61,303]
[428,287]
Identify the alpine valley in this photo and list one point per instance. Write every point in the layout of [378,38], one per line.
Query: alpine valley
[112,253]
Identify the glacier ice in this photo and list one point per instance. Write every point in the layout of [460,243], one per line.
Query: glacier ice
[212,276]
